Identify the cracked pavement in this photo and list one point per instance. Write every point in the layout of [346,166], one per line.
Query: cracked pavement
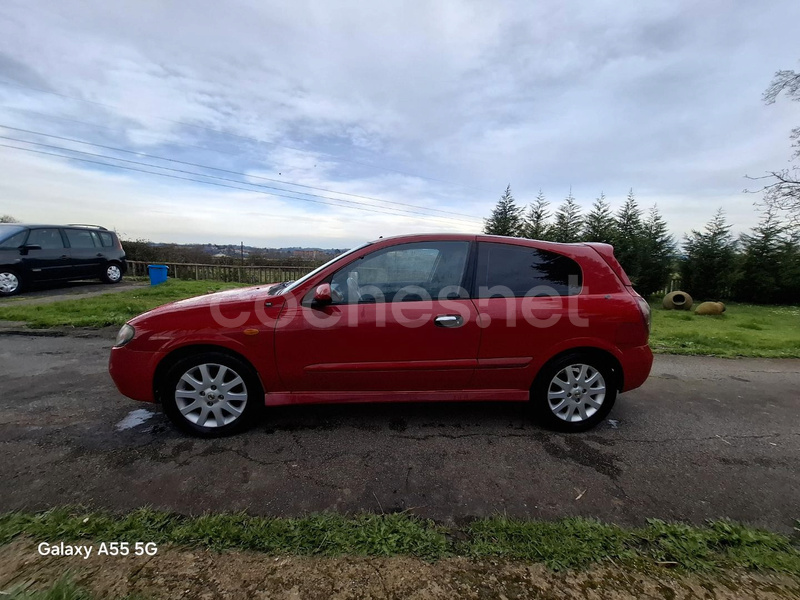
[704,438]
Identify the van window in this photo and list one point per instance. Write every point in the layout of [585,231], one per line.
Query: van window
[48,239]
[80,238]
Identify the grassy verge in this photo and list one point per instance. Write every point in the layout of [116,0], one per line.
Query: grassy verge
[565,544]
[108,309]
[743,330]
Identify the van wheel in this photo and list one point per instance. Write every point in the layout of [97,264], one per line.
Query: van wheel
[574,393]
[112,274]
[10,282]
[211,394]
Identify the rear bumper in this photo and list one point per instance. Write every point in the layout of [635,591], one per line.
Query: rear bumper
[133,372]
[636,365]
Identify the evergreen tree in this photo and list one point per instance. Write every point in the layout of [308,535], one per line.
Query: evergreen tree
[628,237]
[536,225]
[568,223]
[599,223]
[764,250]
[657,254]
[506,217]
[707,267]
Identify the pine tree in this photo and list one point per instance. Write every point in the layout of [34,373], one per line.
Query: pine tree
[707,267]
[599,223]
[506,217]
[628,237]
[568,223]
[657,254]
[536,225]
[761,272]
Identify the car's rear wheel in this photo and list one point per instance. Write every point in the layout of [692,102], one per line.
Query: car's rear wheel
[10,282]
[211,394]
[574,393]
[112,273]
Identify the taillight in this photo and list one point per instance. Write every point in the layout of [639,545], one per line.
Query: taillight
[644,307]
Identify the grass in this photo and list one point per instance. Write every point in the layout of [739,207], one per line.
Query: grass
[742,330]
[108,309]
[565,544]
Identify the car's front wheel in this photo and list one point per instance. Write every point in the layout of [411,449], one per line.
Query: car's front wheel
[10,282]
[112,273]
[574,393]
[211,394]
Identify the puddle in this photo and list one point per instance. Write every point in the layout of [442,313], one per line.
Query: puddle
[134,418]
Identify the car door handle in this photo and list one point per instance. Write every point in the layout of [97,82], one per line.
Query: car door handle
[448,321]
[64,256]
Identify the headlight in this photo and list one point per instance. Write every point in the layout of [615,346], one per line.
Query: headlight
[125,335]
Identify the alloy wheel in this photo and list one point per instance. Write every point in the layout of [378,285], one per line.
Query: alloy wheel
[211,395]
[576,393]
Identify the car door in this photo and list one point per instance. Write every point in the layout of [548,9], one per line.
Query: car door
[527,299]
[402,321]
[51,260]
[87,257]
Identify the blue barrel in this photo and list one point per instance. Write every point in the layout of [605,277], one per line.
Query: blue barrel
[158,273]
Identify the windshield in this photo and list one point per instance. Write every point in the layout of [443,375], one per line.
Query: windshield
[6,231]
[308,276]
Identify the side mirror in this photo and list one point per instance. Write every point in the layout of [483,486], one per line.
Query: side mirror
[322,295]
[27,247]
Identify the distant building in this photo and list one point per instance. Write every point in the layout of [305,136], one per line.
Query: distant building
[307,254]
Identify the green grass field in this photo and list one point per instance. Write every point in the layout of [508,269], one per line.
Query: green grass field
[571,543]
[744,329]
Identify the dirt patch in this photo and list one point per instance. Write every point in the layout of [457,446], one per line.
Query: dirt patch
[181,573]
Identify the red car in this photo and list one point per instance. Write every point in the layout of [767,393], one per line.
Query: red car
[411,318]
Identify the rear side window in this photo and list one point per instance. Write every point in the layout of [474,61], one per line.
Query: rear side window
[106,239]
[48,239]
[80,238]
[505,270]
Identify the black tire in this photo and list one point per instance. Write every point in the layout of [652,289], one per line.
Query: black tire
[112,272]
[560,417]
[188,419]
[8,279]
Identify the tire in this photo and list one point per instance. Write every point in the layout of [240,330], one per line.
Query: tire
[10,282]
[112,273]
[199,380]
[553,398]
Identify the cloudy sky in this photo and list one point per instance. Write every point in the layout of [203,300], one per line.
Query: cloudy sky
[330,123]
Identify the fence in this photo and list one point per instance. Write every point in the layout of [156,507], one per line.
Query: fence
[242,274]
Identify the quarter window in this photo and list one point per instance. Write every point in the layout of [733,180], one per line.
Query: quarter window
[408,272]
[106,239]
[15,241]
[80,238]
[506,270]
[48,239]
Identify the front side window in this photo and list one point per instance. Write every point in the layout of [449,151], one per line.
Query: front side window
[15,240]
[404,273]
[48,239]
[80,238]
[506,270]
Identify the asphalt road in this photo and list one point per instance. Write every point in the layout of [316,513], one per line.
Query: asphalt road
[703,438]
[68,290]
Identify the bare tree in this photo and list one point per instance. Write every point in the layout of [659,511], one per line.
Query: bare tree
[8,219]
[781,188]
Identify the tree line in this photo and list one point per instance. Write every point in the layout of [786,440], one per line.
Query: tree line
[761,266]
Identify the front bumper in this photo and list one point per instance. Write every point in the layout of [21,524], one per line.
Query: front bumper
[133,372]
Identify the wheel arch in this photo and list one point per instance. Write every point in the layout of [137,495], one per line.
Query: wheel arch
[599,354]
[178,354]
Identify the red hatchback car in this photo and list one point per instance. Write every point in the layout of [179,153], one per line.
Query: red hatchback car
[411,318]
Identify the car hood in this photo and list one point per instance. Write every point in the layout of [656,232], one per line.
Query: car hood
[246,294]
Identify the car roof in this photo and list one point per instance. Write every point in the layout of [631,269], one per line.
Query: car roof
[50,225]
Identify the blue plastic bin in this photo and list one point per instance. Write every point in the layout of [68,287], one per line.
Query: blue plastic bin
[158,273]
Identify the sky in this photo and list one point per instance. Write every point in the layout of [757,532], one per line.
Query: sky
[327,124]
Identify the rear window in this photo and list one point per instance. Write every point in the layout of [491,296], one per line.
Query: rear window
[505,270]
[80,238]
